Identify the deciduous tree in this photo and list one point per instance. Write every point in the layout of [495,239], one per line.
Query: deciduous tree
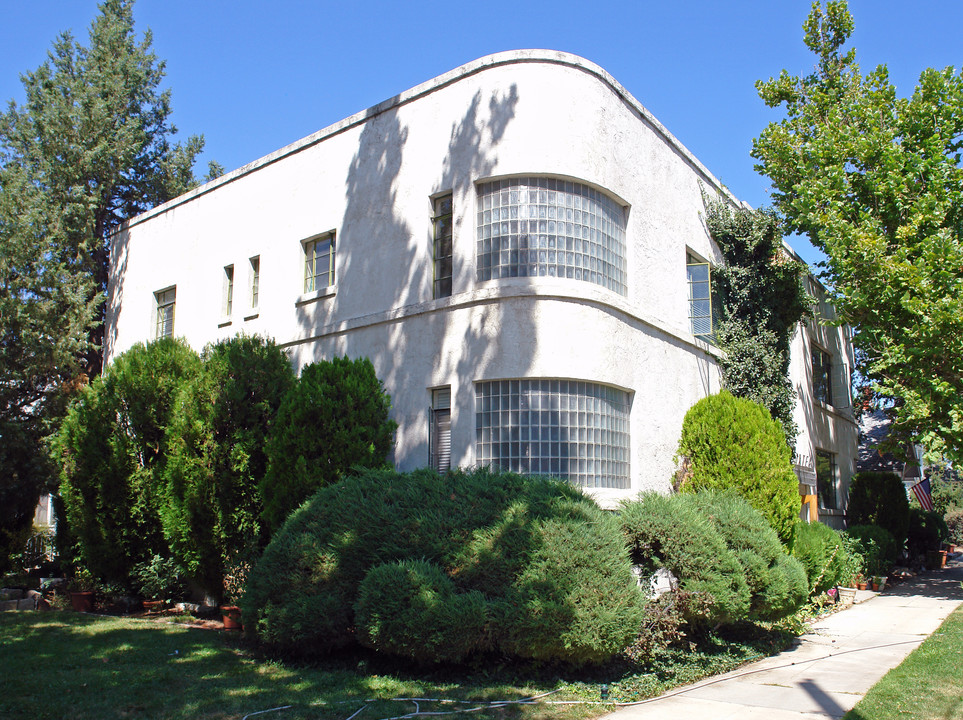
[875,181]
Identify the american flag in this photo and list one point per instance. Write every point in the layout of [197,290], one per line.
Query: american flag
[922,492]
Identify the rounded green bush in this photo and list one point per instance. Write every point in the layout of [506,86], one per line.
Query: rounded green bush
[875,546]
[823,554]
[734,444]
[954,525]
[667,532]
[412,608]
[550,564]
[927,531]
[776,581]
[879,498]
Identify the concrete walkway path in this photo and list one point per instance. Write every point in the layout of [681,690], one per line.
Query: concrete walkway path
[830,668]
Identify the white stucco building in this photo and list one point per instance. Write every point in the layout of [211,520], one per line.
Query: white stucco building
[513,244]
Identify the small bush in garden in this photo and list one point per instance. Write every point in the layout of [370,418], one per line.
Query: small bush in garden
[160,578]
[954,525]
[666,532]
[879,498]
[734,444]
[875,546]
[551,566]
[412,608]
[333,419]
[927,531]
[663,623]
[823,554]
[777,582]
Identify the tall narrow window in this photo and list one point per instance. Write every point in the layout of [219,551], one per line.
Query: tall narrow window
[442,245]
[319,263]
[826,479]
[700,298]
[228,304]
[164,300]
[440,440]
[255,279]
[822,375]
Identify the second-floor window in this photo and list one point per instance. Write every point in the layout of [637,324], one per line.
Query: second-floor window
[319,262]
[699,278]
[822,375]
[442,245]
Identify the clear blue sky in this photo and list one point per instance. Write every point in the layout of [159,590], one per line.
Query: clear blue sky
[255,76]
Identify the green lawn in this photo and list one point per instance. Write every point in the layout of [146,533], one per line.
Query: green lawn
[66,665]
[928,685]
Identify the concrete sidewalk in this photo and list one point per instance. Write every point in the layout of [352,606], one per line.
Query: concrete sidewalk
[829,669]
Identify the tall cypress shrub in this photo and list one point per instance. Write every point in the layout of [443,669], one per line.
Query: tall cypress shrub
[333,419]
[731,443]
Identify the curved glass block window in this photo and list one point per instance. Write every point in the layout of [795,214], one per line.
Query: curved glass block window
[570,429]
[544,227]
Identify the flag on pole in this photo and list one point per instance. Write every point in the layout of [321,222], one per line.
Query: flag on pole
[922,492]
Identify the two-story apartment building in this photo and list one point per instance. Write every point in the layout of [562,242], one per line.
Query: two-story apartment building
[517,245]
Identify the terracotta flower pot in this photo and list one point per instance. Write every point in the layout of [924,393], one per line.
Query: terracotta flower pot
[231,615]
[153,605]
[861,586]
[82,601]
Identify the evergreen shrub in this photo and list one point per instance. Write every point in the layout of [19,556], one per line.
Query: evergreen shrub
[954,526]
[875,546]
[927,531]
[112,448]
[413,609]
[823,554]
[667,532]
[879,498]
[733,443]
[550,564]
[777,582]
[333,419]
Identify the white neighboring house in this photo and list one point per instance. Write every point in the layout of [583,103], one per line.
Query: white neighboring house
[517,245]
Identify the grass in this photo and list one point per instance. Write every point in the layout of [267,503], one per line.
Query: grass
[927,685]
[67,665]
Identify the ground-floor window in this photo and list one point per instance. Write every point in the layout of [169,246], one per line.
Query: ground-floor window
[826,479]
[440,440]
[570,429]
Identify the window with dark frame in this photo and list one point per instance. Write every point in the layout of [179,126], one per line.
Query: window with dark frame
[228,304]
[827,479]
[822,375]
[442,251]
[319,262]
[699,277]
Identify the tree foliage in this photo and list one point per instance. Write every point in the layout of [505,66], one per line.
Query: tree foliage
[333,419]
[731,443]
[761,298]
[216,456]
[90,147]
[875,181]
[112,448]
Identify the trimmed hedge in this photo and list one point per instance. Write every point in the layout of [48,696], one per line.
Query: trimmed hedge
[879,498]
[734,444]
[666,532]
[927,531]
[551,566]
[777,582]
[823,554]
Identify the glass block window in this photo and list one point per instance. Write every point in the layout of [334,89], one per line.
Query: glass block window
[442,246]
[544,227]
[700,298]
[822,374]
[165,300]
[578,431]
[319,263]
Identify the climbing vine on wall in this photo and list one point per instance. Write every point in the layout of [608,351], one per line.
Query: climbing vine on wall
[761,297]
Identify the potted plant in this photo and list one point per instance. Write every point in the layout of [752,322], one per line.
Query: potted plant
[158,580]
[83,591]
[234,579]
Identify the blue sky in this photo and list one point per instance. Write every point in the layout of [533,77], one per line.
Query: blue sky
[255,76]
